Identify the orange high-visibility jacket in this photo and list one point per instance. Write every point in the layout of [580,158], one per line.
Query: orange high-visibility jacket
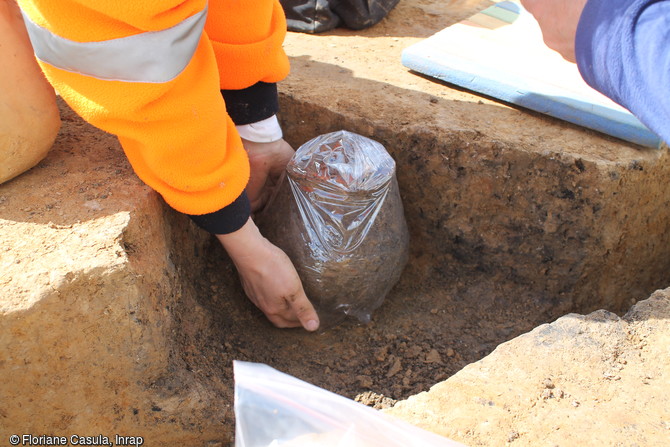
[108,60]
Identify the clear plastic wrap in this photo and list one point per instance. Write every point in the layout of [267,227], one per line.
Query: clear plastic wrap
[273,409]
[338,215]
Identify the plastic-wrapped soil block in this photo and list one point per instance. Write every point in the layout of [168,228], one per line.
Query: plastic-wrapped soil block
[338,215]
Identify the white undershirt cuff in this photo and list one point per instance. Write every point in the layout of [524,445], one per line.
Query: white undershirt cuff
[264,131]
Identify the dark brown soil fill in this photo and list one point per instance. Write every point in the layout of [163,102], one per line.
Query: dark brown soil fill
[422,334]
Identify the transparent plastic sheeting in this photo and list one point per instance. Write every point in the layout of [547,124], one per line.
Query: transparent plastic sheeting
[339,217]
[340,181]
[273,409]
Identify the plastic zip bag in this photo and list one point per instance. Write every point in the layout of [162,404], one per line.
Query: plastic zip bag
[338,215]
[273,409]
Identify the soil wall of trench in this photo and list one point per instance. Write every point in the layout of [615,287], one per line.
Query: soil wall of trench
[118,316]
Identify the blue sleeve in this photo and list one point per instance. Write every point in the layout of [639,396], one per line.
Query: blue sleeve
[623,50]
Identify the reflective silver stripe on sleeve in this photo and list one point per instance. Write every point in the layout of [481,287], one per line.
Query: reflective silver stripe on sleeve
[153,57]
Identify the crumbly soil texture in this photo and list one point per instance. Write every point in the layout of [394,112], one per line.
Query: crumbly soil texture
[421,335]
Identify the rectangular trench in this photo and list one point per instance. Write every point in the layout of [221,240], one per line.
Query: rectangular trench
[502,240]
[504,237]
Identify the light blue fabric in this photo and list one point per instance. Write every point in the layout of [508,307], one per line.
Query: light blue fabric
[623,50]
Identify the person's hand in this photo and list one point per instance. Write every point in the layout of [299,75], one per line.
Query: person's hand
[269,278]
[558,21]
[267,162]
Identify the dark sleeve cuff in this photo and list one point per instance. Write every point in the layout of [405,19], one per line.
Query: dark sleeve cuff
[228,219]
[251,104]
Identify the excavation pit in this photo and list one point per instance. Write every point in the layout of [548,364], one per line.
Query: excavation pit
[502,241]
[119,316]
[114,304]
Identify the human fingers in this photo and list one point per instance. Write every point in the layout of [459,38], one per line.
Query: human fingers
[558,20]
[302,308]
[291,308]
[283,323]
[283,154]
